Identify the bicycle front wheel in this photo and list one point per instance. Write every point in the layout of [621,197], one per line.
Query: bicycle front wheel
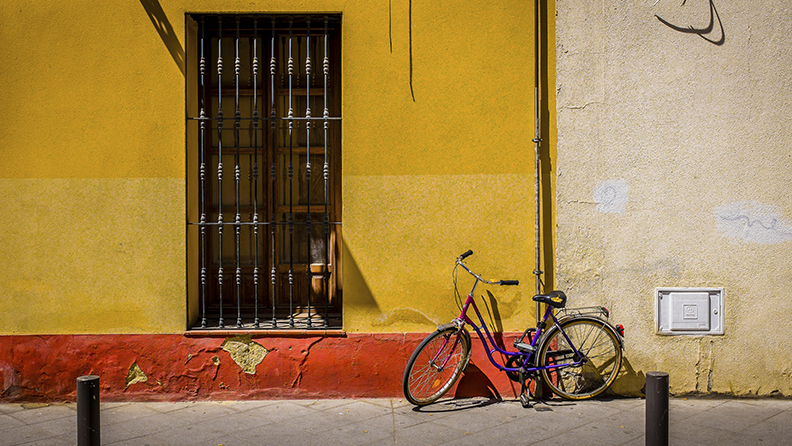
[597,366]
[436,365]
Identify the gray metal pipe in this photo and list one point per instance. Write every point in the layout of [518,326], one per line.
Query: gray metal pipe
[537,140]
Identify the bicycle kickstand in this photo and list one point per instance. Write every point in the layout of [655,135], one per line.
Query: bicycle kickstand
[525,392]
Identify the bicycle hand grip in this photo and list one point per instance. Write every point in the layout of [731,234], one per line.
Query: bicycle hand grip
[509,282]
[467,253]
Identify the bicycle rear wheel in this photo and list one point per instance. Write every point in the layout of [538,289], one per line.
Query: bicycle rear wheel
[436,365]
[601,358]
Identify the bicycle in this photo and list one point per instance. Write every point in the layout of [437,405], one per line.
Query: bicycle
[578,357]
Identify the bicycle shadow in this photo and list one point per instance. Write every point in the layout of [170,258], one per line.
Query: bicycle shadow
[456,405]
[475,383]
[474,389]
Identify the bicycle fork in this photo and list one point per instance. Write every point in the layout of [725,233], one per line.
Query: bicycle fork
[455,323]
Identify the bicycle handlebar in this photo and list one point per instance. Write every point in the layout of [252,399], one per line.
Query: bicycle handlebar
[468,253]
[465,254]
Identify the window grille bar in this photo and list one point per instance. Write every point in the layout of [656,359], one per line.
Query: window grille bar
[256,322]
[220,166]
[291,182]
[308,272]
[326,175]
[273,175]
[237,173]
[202,173]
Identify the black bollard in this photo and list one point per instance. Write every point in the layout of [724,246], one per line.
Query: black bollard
[657,409]
[88,411]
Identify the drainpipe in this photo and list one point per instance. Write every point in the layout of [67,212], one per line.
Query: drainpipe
[537,147]
[537,140]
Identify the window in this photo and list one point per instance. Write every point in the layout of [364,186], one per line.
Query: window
[266,192]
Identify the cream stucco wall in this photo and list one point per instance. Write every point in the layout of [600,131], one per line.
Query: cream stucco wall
[674,153]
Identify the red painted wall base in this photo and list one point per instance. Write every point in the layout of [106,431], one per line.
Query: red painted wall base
[177,368]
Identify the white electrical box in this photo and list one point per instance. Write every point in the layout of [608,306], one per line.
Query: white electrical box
[689,311]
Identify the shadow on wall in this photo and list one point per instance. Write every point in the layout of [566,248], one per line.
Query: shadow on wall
[705,32]
[629,382]
[357,294]
[165,30]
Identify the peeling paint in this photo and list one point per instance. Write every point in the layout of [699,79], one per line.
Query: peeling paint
[357,365]
[245,353]
[9,377]
[704,366]
[135,375]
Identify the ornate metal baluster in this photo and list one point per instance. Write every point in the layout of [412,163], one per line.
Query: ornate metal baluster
[326,172]
[202,174]
[308,160]
[237,179]
[291,177]
[220,163]
[273,174]
[256,321]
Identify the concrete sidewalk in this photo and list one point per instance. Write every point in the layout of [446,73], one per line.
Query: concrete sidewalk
[473,421]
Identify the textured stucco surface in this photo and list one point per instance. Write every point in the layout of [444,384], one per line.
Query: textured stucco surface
[96,176]
[175,367]
[674,153]
[91,255]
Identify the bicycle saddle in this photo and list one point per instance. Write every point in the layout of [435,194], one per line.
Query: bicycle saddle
[555,299]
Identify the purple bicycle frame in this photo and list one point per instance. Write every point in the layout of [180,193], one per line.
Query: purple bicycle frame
[464,319]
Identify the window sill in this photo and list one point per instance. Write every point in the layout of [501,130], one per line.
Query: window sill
[298,333]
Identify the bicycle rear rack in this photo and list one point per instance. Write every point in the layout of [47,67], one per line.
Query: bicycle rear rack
[595,311]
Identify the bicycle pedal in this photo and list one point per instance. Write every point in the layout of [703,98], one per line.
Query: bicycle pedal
[525,401]
[523,347]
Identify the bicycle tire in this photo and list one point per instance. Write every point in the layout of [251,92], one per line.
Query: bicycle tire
[600,346]
[423,383]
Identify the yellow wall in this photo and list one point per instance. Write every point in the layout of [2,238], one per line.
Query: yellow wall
[92,171]
[92,178]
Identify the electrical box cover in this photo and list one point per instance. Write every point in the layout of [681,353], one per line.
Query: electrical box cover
[694,311]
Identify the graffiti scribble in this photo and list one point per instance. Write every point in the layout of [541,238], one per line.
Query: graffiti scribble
[754,222]
[611,196]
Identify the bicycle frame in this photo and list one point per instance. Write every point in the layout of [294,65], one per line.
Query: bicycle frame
[528,363]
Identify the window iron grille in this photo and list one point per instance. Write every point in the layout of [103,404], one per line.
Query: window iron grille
[268,244]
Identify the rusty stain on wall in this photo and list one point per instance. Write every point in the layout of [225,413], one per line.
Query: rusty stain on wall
[245,353]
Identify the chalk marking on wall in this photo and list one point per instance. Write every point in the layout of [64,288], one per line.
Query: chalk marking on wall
[754,222]
[611,196]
